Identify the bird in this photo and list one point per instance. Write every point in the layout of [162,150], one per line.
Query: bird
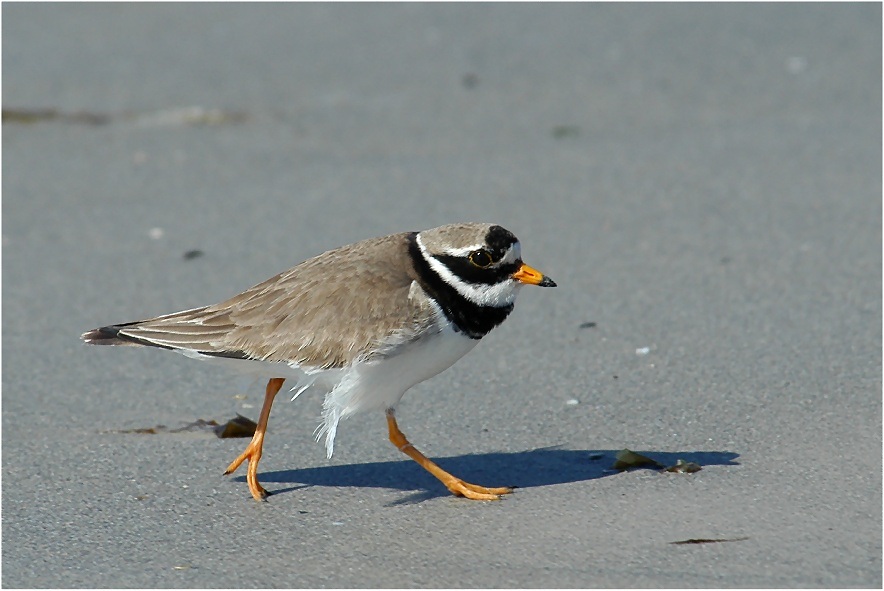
[361,324]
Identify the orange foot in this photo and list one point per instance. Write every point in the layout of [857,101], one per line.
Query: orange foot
[475,492]
[457,486]
[253,450]
[252,453]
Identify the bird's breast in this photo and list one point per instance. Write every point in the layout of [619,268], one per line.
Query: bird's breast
[380,382]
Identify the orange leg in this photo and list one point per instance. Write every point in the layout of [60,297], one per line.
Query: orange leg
[253,449]
[454,484]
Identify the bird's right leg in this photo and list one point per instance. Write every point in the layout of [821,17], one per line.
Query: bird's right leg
[457,486]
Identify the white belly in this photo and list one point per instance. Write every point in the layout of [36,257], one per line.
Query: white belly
[379,385]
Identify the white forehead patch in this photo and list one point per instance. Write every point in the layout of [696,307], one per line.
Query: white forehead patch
[513,253]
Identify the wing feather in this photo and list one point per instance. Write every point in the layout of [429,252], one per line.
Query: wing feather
[324,312]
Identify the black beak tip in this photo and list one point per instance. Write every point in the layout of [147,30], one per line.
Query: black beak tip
[547,282]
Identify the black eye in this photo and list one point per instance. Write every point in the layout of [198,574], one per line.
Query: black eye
[481,258]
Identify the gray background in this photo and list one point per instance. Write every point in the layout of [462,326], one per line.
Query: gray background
[704,181]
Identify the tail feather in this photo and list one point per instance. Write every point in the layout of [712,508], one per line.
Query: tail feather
[193,332]
[175,337]
[106,335]
[112,335]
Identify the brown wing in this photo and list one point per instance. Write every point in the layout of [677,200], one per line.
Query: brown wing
[324,312]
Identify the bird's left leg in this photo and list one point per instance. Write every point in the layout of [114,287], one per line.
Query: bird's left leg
[255,446]
[453,483]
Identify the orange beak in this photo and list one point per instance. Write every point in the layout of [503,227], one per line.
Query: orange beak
[532,276]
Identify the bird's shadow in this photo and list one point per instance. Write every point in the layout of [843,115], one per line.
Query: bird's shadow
[523,469]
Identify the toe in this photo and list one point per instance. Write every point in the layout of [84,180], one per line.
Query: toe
[476,493]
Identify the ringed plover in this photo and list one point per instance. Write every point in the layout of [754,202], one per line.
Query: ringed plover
[361,324]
